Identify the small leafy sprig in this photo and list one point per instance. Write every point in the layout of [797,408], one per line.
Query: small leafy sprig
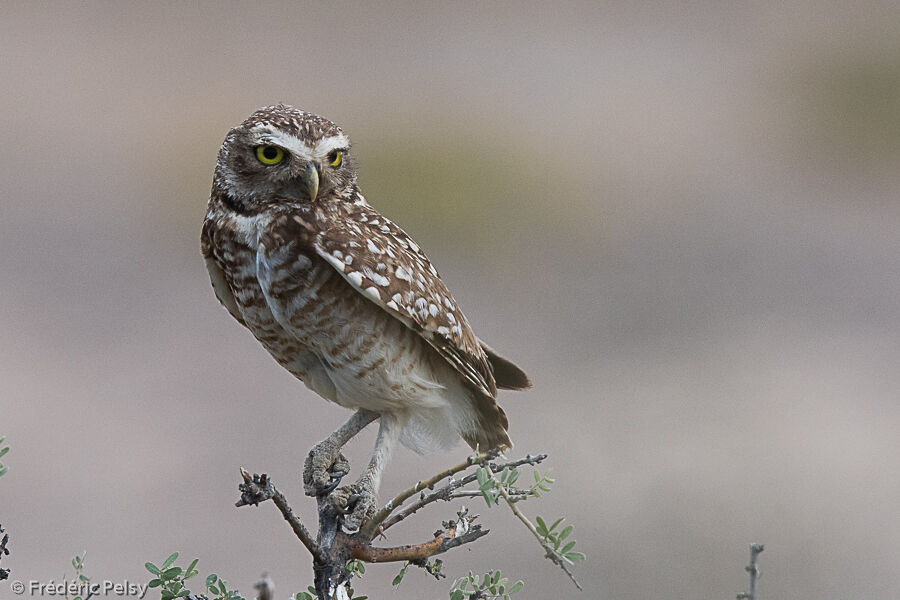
[218,588]
[170,578]
[491,586]
[551,537]
[494,487]
[78,565]
[541,483]
[3,450]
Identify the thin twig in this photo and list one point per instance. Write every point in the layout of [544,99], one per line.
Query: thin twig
[259,488]
[551,554]
[515,494]
[370,528]
[753,569]
[446,492]
[4,573]
[443,541]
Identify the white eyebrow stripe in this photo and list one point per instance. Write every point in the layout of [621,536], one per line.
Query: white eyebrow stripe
[296,146]
[335,142]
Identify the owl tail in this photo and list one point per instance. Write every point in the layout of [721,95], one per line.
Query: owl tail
[507,375]
[490,425]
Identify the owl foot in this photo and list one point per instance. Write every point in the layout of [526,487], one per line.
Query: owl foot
[356,502]
[324,468]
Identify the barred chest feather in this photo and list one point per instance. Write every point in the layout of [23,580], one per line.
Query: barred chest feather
[315,325]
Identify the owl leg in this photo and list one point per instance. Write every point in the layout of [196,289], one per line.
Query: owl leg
[361,498]
[325,465]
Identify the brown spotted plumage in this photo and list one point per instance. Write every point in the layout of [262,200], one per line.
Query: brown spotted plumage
[343,298]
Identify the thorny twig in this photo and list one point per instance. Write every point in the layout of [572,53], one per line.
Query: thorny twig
[4,573]
[755,573]
[447,491]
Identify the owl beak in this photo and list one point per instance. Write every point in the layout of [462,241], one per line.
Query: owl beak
[311,177]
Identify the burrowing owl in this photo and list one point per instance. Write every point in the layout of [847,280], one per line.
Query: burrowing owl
[345,300]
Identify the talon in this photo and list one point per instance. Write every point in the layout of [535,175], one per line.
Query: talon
[335,482]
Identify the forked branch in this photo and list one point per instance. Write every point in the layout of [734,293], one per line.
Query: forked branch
[332,548]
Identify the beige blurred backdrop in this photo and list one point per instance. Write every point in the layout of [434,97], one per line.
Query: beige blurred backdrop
[682,220]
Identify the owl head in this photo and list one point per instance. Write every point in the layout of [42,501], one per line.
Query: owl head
[283,154]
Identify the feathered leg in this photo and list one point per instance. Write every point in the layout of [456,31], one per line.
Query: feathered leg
[361,498]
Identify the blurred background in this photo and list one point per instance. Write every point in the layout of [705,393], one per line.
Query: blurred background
[682,221]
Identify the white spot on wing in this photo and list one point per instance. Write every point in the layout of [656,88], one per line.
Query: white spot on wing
[332,261]
[402,273]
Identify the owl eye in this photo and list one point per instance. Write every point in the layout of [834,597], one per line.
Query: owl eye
[269,155]
[336,158]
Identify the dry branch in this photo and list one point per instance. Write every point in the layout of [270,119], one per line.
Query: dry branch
[332,547]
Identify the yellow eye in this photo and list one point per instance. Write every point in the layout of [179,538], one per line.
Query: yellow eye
[269,155]
[336,158]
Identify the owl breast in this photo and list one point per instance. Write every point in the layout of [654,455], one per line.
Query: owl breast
[340,344]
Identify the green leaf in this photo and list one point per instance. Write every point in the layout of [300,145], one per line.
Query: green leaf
[183,593]
[211,580]
[151,567]
[457,595]
[4,450]
[482,475]
[401,574]
[84,578]
[574,557]
[516,587]
[565,532]
[567,547]
[311,589]
[222,586]
[556,523]
[155,583]
[302,596]
[168,562]
[190,572]
[541,527]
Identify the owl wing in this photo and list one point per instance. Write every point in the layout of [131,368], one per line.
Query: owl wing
[386,266]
